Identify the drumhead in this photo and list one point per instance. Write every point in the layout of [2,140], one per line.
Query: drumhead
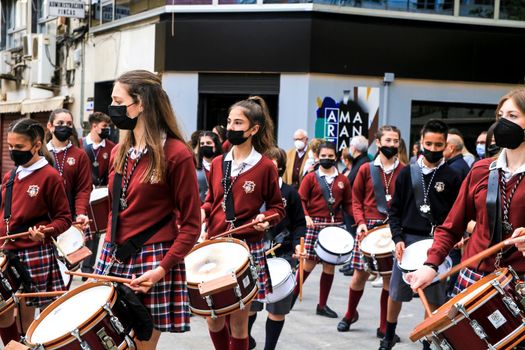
[378,241]
[279,268]
[214,260]
[70,241]
[98,193]
[336,240]
[415,255]
[70,313]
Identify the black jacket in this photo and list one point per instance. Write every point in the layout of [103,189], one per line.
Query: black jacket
[356,164]
[459,165]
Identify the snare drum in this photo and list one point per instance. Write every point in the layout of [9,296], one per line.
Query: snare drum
[487,315]
[414,257]
[282,277]
[9,285]
[83,318]
[71,248]
[334,245]
[99,209]
[377,248]
[221,277]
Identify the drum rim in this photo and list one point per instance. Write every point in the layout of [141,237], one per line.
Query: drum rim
[85,326]
[317,243]
[399,262]
[288,278]
[440,320]
[377,228]
[238,272]
[287,275]
[229,309]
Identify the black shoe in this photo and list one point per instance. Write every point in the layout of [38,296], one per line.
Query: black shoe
[380,335]
[326,311]
[349,272]
[385,344]
[251,343]
[345,268]
[344,324]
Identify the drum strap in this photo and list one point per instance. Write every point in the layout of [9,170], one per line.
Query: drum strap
[417,188]
[97,181]
[379,189]
[9,195]
[493,205]
[326,193]
[228,207]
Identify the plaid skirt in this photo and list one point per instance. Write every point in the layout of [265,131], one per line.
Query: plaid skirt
[167,301]
[312,233]
[357,261]
[264,283]
[41,263]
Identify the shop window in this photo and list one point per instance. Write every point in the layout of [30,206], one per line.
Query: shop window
[477,8]
[105,11]
[512,10]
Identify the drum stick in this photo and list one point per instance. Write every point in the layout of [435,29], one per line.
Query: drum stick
[245,226]
[272,249]
[41,294]
[26,234]
[465,240]
[475,258]
[106,278]
[301,273]
[321,224]
[79,222]
[424,301]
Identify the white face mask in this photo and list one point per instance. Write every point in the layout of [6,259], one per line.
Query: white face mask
[299,145]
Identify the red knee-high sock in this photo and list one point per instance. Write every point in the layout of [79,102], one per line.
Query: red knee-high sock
[324,288]
[382,315]
[10,333]
[221,339]
[353,300]
[238,344]
[305,276]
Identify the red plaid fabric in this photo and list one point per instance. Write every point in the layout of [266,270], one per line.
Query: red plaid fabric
[41,263]
[312,233]
[466,278]
[357,261]
[167,300]
[259,258]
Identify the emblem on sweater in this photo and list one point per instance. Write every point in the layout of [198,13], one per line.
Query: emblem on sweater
[105,155]
[285,202]
[32,190]
[440,186]
[340,184]
[71,161]
[249,186]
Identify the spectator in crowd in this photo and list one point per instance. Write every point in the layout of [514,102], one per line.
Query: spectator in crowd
[402,155]
[480,144]
[453,154]
[416,148]
[296,159]
[469,157]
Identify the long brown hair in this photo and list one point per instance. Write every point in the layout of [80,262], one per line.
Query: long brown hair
[158,117]
[74,136]
[256,110]
[517,96]
[34,131]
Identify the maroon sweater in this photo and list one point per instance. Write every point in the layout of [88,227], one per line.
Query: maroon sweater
[471,205]
[314,203]
[364,203]
[258,185]
[39,194]
[148,203]
[77,177]
[102,157]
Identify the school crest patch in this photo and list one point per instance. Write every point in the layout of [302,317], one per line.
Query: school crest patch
[440,186]
[70,161]
[340,184]
[105,155]
[32,190]
[249,186]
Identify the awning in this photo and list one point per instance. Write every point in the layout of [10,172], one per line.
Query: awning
[10,107]
[42,105]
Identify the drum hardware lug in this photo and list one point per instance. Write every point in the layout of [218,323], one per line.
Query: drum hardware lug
[107,341]
[480,332]
[375,262]
[130,343]
[15,273]
[253,270]
[462,310]
[209,301]
[115,322]
[83,344]
[444,345]
[511,305]
[497,286]
[6,284]
[513,273]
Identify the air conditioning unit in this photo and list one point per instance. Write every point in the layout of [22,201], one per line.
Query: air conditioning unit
[5,62]
[43,59]
[27,45]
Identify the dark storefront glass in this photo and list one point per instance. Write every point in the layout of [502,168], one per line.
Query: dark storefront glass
[512,10]
[477,8]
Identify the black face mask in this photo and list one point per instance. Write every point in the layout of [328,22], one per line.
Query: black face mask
[236,137]
[20,157]
[492,150]
[119,117]
[206,151]
[389,151]
[62,132]
[432,156]
[508,134]
[326,163]
[104,134]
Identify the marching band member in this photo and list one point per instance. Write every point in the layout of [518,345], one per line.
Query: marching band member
[325,193]
[33,198]
[241,181]
[209,147]
[425,192]
[155,202]
[374,178]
